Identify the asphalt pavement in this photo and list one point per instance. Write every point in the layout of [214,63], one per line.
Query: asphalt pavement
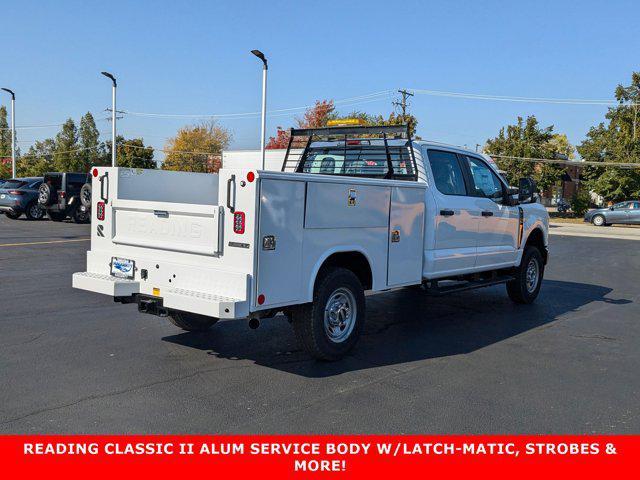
[473,362]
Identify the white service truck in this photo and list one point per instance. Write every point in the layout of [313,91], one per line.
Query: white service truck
[352,209]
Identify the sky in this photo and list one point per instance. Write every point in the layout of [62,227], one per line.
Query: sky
[192,57]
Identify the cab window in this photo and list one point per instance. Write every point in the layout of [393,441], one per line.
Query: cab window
[485,182]
[447,173]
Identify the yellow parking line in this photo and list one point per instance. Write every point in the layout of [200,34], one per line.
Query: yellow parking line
[43,243]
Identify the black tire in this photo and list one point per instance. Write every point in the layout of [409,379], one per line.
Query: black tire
[599,221]
[344,325]
[56,216]
[34,211]
[522,289]
[85,195]
[13,216]
[46,194]
[191,322]
[81,217]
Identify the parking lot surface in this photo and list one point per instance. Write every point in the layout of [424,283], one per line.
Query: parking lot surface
[473,362]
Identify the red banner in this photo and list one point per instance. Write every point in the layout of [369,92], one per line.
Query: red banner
[318,456]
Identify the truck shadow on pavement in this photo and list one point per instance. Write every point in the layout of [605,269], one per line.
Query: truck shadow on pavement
[403,326]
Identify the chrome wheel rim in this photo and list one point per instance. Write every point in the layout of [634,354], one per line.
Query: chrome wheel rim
[86,197]
[598,221]
[340,315]
[532,275]
[35,211]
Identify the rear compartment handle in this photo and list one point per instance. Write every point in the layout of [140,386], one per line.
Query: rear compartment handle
[232,179]
[104,177]
[218,252]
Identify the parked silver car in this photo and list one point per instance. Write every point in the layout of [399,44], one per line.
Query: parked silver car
[627,212]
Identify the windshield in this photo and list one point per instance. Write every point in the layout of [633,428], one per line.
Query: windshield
[358,160]
[54,179]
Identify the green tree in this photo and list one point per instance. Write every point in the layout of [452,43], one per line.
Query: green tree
[527,139]
[133,153]
[92,152]
[616,140]
[66,157]
[194,148]
[38,160]
[5,144]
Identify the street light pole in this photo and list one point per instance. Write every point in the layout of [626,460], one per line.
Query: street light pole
[13,132]
[113,117]
[261,56]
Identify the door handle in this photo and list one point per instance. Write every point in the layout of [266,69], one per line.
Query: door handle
[231,181]
[447,213]
[487,214]
[103,178]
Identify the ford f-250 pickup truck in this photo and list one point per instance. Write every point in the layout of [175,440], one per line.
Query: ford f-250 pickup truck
[352,209]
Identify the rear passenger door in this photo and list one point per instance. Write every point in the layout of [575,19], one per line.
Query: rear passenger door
[497,238]
[634,213]
[456,217]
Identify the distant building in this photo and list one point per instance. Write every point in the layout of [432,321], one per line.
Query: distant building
[565,189]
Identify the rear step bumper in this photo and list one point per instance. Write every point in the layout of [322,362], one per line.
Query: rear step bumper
[172,298]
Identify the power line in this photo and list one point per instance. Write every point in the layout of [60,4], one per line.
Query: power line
[167,151]
[575,163]
[503,98]
[375,96]
[45,125]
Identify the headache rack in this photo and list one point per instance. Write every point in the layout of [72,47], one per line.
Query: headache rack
[356,151]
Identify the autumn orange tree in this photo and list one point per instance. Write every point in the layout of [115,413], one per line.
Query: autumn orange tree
[194,147]
[313,117]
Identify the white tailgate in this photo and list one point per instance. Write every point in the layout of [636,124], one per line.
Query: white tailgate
[176,227]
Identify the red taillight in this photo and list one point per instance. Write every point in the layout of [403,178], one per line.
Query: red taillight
[95,171]
[261,299]
[238,222]
[251,177]
[100,209]
[62,194]
[15,192]
[353,142]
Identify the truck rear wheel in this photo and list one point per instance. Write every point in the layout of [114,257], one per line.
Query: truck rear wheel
[528,277]
[329,327]
[191,322]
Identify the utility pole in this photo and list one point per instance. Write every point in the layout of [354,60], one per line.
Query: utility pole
[403,104]
[13,131]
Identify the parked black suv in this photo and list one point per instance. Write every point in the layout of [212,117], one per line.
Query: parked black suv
[65,195]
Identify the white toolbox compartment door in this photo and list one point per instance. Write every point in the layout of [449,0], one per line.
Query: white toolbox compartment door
[281,216]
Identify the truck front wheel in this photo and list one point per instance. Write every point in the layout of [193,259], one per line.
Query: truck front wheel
[525,286]
[191,322]
[329,327]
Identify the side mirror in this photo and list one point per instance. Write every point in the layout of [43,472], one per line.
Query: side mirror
[526,190]
[611,208]
[512,193]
